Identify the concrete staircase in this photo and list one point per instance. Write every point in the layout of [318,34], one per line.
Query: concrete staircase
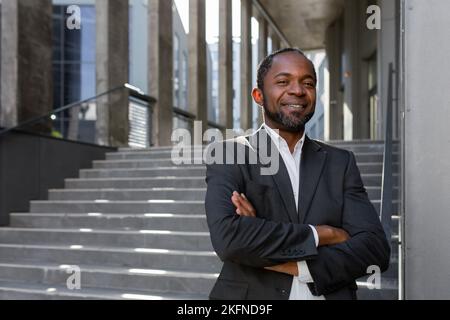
[135,227]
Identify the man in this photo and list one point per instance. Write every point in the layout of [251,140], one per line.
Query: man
[309,230]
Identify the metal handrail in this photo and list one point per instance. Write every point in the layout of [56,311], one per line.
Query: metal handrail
[134,91]
[183,113]
[387,179]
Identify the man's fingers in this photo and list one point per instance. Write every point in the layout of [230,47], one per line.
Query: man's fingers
[242,204]
[244,201]
[240,209]
[235,198]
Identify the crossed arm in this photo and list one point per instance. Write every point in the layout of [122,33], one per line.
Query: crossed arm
[327,235]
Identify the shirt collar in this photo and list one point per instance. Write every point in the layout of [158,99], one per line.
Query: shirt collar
[282,143]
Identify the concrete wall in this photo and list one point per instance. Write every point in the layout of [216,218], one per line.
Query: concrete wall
[350,45]
[30,165]
[426,99]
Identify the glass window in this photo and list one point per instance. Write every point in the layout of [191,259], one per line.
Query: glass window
[73,56]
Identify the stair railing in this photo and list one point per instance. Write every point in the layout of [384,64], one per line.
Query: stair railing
[77,121]
[386,210]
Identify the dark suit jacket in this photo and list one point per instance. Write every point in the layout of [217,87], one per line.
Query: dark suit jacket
[331,192]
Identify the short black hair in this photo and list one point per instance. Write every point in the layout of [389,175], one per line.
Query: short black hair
[265,65]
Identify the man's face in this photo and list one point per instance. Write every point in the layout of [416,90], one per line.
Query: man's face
[289,93]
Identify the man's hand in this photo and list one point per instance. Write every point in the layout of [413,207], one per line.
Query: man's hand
[330,235]
[243,206]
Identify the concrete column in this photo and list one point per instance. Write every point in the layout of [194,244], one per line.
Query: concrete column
[426,146]
[26,61]
[351,69]
[262,52]
[276,43]
[387,44]
[246,64]
[112,71]
[333,45]
[160,55]
[225,64]
[197,62]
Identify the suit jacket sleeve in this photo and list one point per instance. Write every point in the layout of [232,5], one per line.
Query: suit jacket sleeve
[339,265]
[246,240]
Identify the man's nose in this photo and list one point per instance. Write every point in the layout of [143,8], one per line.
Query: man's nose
[297,89]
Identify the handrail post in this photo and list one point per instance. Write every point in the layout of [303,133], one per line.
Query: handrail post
[387,179]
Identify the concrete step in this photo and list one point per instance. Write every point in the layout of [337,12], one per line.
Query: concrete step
[395,205]
[128,222]
[362,160]
[10,290]
[374,167]
[112,221]
[199,171]
[155,193]
[375,192]
[157,149]
[152,163]
[370,180]
[163,239]
[388,291]
[180,171]
[140,258]
[369,154]
[373,157]
[124,279]
[129,183]
[374,179]
[150,206]
[153,154]
[128,194]
[353,145]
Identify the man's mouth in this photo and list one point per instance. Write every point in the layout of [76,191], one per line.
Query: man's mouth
[295,106]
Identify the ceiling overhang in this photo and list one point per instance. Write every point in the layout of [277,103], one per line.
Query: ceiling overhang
[303,22]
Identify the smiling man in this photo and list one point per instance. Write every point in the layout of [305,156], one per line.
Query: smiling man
[308,231]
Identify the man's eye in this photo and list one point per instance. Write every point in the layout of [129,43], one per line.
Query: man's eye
[281,82]
[310,84]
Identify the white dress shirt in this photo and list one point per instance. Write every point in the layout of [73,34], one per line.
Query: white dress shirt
[299,289]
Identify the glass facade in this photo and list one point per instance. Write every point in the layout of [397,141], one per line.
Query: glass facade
[73,56]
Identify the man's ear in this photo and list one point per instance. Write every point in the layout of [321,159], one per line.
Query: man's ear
[258,96]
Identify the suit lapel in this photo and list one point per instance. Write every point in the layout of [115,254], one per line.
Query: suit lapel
[283,183]
[281,178]
[311,166]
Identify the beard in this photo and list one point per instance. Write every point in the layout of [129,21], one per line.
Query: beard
[289,123]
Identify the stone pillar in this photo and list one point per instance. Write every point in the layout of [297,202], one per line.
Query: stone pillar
[160,55]
[198,104]
[262,52]
[276,44]
[225,64]
[112,71]
[246,65]
[333,44]
[26,61]
[387,44]
[426,148]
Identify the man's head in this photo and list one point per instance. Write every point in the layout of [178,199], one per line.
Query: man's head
[286,88]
